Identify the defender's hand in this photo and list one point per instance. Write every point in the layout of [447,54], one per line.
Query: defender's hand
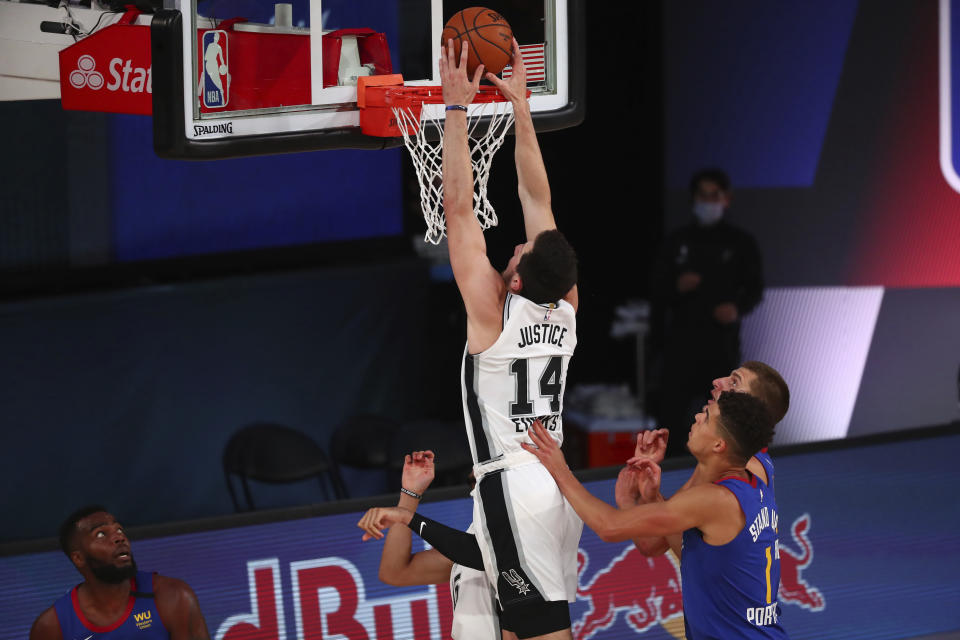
[545,448]
[418,471]
[626,493]
[375,520]
[649,480]
[651,445]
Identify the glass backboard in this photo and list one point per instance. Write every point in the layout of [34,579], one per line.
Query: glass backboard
[245,77]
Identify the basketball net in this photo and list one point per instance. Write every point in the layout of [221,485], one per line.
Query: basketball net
[427,158]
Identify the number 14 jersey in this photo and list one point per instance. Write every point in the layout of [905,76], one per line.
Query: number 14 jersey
[520,378]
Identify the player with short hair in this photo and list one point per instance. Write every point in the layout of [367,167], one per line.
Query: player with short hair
[730,565]
[752,377]
[116,601]
[521,334]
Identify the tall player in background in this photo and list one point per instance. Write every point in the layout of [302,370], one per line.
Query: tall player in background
[115,601]
[521,334]
[730,564]
[633,485]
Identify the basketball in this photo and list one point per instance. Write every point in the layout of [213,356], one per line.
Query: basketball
[489,35]
[223,69]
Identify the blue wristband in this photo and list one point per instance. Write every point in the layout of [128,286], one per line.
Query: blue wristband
[456,107]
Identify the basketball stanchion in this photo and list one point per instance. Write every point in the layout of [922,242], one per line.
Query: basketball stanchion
[388,108]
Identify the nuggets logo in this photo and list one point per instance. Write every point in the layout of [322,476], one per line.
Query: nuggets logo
[143,620]
[215,86]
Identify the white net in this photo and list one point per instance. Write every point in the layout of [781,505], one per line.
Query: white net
[428,159]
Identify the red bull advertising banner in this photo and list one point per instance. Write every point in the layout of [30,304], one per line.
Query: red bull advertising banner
[868,549]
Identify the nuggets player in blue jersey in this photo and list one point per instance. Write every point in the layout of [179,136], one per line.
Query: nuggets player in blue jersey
[115,601]
[728,519]
[753,377]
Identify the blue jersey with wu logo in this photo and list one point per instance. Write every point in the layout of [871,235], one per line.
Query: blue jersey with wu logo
[140,621]
[730,590]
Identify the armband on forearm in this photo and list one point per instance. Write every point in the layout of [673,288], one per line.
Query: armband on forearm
[459,546]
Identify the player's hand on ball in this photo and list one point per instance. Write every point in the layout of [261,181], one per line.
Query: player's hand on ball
[418,471]
[457,87]
[375,520]
[514,87]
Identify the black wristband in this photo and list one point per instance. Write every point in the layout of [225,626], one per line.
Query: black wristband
[411,493]
[456,107]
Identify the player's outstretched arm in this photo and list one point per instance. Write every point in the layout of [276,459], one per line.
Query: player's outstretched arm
[398,566]
[459,546]
[480,285]
[610,524]
[179,609]
[533,184]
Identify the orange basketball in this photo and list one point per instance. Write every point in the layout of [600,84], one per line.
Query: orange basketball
[489,35]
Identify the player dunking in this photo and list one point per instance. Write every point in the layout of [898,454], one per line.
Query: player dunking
[521,334]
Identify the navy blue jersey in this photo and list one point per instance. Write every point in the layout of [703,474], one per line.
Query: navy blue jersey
[730,590]
[764,457]
[141,621]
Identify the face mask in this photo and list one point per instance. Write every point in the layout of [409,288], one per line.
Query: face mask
[707,212]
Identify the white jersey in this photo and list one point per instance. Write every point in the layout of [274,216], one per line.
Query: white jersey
[474,605]
[520,378]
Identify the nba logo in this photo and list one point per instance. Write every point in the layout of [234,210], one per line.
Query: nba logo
[215,69]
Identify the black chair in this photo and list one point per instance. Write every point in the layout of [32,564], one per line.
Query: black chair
[277,454]
[362,441]
[447,440]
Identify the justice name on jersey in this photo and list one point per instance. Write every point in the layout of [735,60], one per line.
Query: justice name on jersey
[542,333]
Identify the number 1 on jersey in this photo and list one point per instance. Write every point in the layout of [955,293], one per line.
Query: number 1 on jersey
[551,385]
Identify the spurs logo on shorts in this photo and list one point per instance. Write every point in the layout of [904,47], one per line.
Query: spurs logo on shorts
[516,581]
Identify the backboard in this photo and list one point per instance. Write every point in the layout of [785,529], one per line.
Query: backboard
[243,77]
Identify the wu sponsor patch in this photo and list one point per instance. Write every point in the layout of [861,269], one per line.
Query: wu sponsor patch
[143,620]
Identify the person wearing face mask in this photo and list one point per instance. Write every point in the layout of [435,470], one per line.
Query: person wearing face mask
[708,275]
